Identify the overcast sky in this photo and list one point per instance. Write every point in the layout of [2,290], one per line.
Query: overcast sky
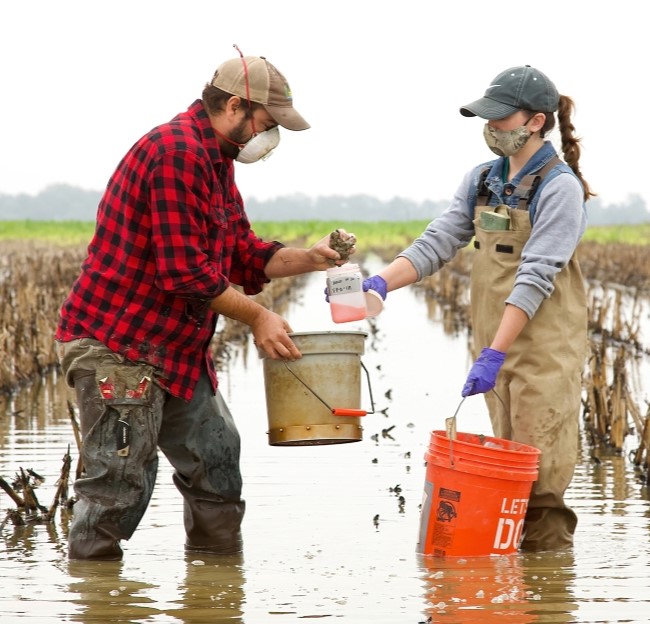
[379,81]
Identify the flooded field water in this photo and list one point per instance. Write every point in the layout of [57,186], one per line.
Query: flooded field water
[330,531]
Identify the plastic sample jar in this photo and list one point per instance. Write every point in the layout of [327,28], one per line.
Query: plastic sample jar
[347,299]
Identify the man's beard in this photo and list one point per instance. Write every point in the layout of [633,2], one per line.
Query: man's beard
[237,136]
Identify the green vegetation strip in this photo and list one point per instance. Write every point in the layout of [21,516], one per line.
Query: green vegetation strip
[374,235]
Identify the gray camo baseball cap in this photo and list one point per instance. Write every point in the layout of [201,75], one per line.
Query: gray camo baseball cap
[517,88]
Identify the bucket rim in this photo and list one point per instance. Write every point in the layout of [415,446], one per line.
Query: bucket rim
[327,332]
[517,447]
[492,471]
[504,457]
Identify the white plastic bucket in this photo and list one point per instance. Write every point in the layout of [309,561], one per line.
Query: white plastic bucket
[316,399]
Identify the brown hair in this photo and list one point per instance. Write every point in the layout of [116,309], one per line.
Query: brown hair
[570,142]
[214,99]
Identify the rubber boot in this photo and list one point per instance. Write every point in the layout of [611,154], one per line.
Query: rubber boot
[98,549]
[549,528]
[213,527]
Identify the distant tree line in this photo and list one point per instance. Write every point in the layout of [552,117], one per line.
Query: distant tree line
[62,202]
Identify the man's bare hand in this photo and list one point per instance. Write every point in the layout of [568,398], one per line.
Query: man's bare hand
[333,249]
[271,335]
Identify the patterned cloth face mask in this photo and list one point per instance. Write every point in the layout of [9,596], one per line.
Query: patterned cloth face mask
[506,142]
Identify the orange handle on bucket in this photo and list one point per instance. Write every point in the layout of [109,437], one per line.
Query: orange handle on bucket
[344,411]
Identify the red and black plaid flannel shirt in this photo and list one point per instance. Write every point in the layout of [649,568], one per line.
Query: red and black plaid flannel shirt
[171,235]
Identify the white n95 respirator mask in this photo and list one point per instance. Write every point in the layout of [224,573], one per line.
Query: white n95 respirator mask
[260,146]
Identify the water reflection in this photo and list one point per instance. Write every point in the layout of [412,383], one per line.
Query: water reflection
[523,588]
[328,533]
[103,593]
[201,588]
[23,543]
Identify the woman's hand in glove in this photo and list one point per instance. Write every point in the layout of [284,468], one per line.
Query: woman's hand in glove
[376,283]
[483,374]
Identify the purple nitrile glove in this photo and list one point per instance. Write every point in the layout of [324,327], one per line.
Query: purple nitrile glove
[376,283]
[483,374]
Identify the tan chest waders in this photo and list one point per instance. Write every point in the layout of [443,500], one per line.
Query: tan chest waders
[539,386]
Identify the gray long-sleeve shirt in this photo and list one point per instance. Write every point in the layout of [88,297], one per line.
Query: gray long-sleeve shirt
[559,223]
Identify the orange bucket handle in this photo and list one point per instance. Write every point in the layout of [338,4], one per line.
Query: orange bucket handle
[343,411]
[339,411]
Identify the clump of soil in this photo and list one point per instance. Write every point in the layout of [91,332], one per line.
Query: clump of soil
[343,242]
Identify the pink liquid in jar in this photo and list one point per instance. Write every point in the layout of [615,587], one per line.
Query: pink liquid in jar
[345,313]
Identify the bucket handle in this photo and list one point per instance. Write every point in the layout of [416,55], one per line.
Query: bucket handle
[450,427]
[339,411]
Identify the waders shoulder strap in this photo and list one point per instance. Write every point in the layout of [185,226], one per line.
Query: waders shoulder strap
[528,186]
[482,191]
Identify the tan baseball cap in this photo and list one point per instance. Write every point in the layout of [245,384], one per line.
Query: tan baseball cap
[266,86]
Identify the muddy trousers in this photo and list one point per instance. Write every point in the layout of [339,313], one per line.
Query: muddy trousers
[200,440]
[543,413]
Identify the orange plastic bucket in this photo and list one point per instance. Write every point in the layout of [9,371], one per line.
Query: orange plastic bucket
[476,493]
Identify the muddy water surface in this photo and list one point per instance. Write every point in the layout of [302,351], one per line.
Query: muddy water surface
[330,531]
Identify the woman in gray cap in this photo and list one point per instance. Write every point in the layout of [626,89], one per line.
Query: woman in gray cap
[525,213]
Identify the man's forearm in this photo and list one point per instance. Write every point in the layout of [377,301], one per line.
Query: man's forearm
[270,331]
[237,306]
[290,261]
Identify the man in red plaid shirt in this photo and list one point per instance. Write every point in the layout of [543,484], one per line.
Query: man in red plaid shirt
[172,238]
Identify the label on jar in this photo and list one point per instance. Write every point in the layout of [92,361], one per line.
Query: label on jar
[344,284]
